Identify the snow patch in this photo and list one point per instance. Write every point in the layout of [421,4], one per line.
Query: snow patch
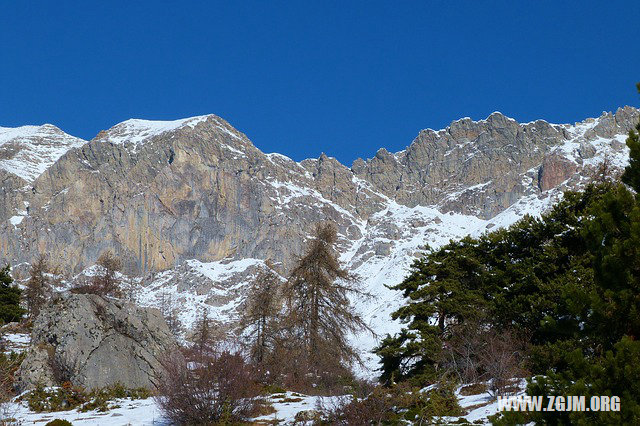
[135,132]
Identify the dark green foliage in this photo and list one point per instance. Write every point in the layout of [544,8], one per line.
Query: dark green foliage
[397,405]
[631,174]
[10,309]
[567,280]
[567,283]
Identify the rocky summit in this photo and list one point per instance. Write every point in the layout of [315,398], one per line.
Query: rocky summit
[189,205]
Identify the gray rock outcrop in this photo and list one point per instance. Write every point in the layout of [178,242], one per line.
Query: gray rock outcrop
[93,342]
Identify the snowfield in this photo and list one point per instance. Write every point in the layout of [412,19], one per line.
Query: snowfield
[34,149]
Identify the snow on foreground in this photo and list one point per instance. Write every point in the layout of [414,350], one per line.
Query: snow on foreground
[141,412]
[145,412]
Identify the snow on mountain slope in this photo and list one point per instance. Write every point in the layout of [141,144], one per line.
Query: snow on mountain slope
[134,132]
[28,151]
[219,287]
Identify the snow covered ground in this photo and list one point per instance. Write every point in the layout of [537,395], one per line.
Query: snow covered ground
[143,412]
[287,406]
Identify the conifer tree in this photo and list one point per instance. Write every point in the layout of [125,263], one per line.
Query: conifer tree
[318,310]
[10,309]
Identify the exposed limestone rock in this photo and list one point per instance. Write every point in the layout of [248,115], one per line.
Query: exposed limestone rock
[554,170]
[160,194]
[478,167]
[93,342]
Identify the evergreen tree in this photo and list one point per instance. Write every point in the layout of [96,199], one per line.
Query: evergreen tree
[318,311]
[443,289]
[10,309]
[631,174]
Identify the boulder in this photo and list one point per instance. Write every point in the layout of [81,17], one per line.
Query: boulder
[95,342]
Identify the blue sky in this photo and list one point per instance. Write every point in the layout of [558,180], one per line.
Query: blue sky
[305,77]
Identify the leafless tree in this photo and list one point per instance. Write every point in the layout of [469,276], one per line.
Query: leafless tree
[461,354]
[9,364]
[260,316]
[318,312]
[168,309]
[501,359]
[105,282]
[38,288]
[205,340]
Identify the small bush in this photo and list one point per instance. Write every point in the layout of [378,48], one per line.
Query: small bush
[69,397]
[274,389]
[208,388]
[396,405]
[59,422]
[473,389]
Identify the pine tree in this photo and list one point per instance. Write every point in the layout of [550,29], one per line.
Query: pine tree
[631,174]
[38,288]
[10,309]
[261,313]
[318,310]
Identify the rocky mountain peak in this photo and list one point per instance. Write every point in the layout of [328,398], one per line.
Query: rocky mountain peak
[160,193]
[493,157]
[133,134]
[27,151]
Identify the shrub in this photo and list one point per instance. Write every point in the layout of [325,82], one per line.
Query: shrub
[208,388]
[59,422]
[66,397]
[396,405]
[69,397]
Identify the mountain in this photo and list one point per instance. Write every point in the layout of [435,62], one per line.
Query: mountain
[25,153]
[194,208]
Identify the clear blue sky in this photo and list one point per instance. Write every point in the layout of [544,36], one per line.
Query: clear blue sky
[305,77]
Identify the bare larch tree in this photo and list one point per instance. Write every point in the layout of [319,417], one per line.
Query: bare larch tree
[260,316]
[39,286]
[317,305]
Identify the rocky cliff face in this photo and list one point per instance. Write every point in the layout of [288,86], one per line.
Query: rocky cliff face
[161,193]
[496,154]
[25,153]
